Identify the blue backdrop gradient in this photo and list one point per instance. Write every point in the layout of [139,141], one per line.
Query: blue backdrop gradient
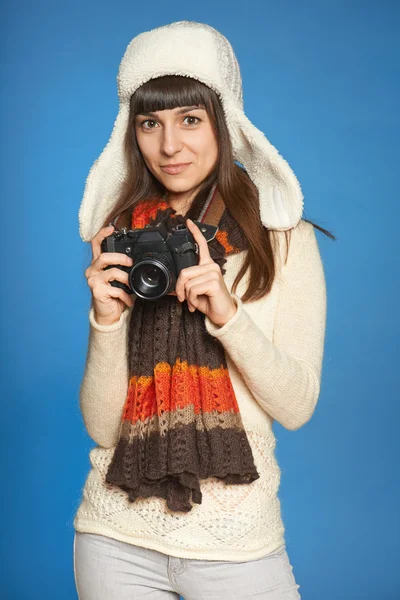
[321,79]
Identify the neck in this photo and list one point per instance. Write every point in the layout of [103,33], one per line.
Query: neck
[180,202]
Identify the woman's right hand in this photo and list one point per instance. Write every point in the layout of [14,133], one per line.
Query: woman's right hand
[109,302]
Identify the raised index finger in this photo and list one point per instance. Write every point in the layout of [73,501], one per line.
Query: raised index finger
[204,253]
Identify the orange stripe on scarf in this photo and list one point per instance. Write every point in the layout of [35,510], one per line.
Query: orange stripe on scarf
[206,389]
[146,210]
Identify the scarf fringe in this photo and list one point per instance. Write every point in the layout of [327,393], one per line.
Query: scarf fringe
[171,466]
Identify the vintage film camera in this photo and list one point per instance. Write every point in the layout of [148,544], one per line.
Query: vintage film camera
[158,256]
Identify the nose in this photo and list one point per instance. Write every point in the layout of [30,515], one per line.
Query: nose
[171,141]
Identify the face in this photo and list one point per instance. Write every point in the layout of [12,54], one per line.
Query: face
[172,137]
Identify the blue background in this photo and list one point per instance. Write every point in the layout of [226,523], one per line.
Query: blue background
[321,80]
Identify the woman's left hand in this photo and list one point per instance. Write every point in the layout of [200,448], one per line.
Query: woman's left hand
[203,285]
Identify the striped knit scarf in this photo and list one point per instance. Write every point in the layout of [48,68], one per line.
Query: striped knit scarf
[181,420]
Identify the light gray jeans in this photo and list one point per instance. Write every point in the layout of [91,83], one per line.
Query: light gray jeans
[107,569]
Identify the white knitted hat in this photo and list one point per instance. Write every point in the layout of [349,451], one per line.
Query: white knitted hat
[196,50]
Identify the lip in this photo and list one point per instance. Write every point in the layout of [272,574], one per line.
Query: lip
[174,169]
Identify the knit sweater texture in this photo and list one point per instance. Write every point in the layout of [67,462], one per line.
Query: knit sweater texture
[274,351]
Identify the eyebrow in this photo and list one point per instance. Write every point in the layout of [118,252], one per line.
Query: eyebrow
[181,111]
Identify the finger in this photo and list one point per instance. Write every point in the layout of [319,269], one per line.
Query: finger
[189,273]
[207,288]
[108,258]
[100,283]
[113,258]
[201,279]
[98,238]
[204,253]
[116,292]
[115,274]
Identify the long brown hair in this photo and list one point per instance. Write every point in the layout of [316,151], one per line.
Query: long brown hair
[233,182]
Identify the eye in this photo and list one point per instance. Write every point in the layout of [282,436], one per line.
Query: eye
[197,119]
[147,121]
[192,117]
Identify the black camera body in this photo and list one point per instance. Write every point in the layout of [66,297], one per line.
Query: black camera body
[158,256]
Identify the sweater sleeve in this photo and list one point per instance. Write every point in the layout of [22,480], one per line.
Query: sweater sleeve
[284,374]
[105,381]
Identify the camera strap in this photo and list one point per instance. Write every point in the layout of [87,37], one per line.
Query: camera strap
[213,208]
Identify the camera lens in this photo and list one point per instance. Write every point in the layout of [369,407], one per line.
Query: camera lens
[150,278]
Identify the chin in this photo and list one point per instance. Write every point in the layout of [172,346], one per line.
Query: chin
[179,186]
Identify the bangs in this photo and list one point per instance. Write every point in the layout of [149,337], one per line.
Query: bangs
[168,92]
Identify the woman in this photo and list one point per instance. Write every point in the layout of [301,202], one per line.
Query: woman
[181,389]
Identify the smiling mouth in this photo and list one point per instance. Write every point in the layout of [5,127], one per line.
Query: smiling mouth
[174,169]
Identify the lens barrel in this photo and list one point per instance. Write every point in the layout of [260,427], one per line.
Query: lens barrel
[151,278]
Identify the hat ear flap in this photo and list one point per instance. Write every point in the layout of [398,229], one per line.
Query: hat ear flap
[281,198]
[105,179]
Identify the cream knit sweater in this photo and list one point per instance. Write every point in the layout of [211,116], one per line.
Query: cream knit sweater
[274,350]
